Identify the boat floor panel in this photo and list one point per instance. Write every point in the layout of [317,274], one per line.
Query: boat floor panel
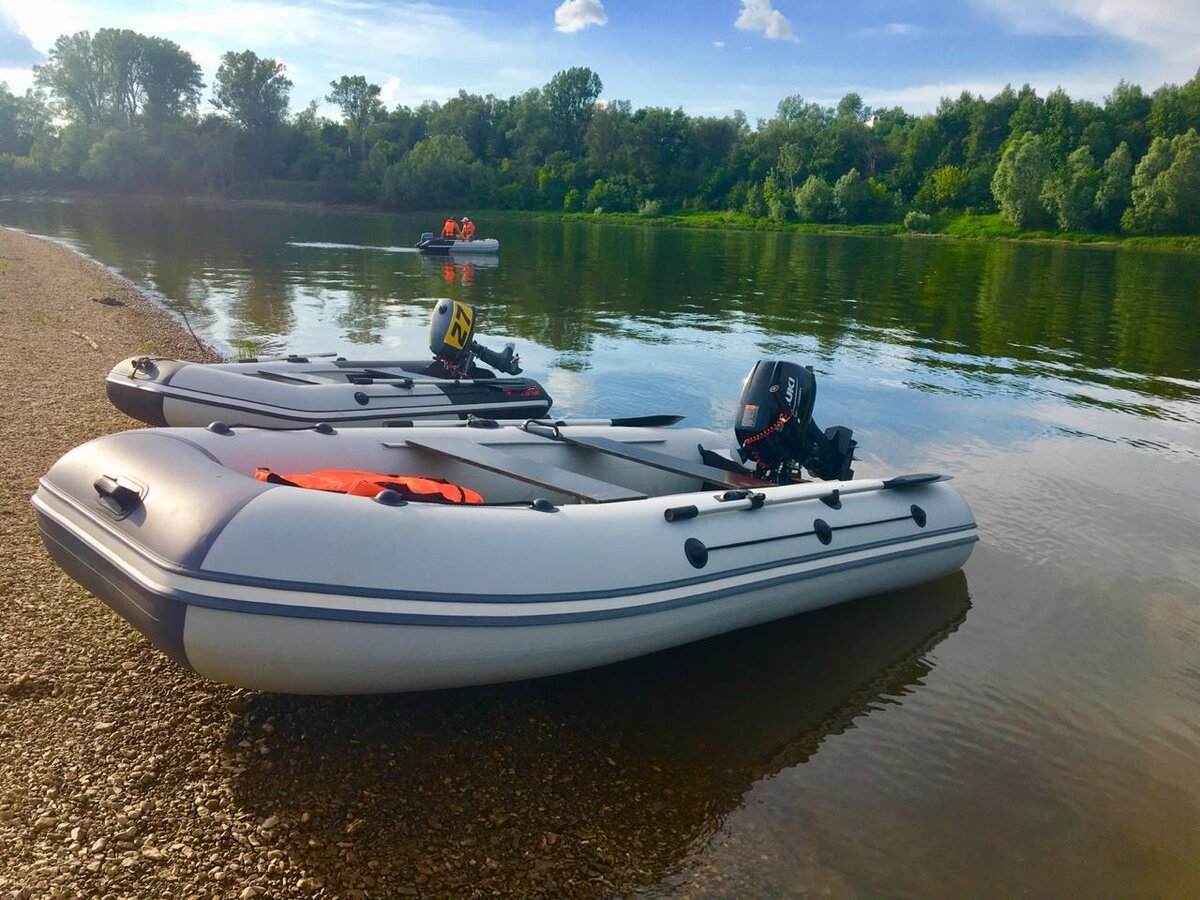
[553,478]
[654,459]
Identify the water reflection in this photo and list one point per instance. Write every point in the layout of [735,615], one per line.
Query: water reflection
[1096,310]
[458,268]
[605,778]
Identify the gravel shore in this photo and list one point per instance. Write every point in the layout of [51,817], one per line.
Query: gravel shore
[123,776]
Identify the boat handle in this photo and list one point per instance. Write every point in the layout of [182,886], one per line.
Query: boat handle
[544,429]
[119,499]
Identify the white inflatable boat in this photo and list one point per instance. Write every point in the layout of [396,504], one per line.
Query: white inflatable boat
[300,391]
[593,543]
[439,246]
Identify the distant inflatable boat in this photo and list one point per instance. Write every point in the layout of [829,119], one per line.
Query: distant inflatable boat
[439,246]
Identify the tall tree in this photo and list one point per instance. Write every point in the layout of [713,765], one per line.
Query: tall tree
[1166,187]
[1127,109]
[1070,194]
[438,171]
[171,79]
[1017,184]
[74,76]
[659,139]
[119,75]
[1113,194]
[814,201]
[252,90]
[359,103]
[474,119]
[569,96]
[1061,133]
[609,136]
[23,120]
[118,59]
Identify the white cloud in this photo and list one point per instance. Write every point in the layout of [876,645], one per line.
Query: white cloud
[759,15]
[1171,27]
[18,80]
[718,43]
[924,98]
[389,93]
[892,29]
[575,15]
[318,43]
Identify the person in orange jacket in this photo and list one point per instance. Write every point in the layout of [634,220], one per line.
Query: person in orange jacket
[449,229]
[467,232]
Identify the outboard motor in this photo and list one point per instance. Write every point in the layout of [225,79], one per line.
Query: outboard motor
[452,340]
[775,428]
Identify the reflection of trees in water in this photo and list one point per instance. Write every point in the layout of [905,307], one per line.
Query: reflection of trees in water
[1107,310]
[1004,300]
[570,286]
[1044,298]
[592,784]
[1148,334]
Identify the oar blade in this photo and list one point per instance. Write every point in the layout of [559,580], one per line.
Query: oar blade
[918,479]
[660,421]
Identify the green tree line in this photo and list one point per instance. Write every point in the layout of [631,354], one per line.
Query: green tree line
[123,111]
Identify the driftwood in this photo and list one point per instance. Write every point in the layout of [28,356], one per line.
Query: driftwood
[82,336]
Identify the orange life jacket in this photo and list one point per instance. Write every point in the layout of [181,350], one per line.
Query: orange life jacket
[449,230]
[468,231]
[368,484]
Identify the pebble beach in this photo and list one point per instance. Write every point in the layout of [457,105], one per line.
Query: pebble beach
[122,775]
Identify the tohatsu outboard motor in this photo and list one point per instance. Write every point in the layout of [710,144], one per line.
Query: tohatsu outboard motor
[452,340]
[775,428]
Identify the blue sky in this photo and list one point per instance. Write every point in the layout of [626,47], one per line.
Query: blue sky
[708,57]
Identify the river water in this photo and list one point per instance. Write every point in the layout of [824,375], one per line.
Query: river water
[1031,725]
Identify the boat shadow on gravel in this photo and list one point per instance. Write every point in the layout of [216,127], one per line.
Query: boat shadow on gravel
[592,784]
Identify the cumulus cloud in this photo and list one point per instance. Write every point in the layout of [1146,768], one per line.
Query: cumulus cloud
[575,15]
[389,92]
[760,15]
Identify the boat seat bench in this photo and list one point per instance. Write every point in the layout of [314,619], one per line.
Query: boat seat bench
[553,478]
[635,453]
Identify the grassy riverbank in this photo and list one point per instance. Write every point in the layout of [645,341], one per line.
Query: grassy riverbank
[961,227]
[964,227]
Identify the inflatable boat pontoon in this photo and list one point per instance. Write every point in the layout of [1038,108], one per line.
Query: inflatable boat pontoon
[594,543]
[300,391]
[436,245]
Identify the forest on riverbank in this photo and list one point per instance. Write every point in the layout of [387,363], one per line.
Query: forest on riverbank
[121,111]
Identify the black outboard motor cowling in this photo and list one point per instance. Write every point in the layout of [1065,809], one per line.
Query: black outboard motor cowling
[774,426]
[775,404]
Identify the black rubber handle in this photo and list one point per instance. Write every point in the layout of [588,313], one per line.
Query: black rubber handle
[117,498]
